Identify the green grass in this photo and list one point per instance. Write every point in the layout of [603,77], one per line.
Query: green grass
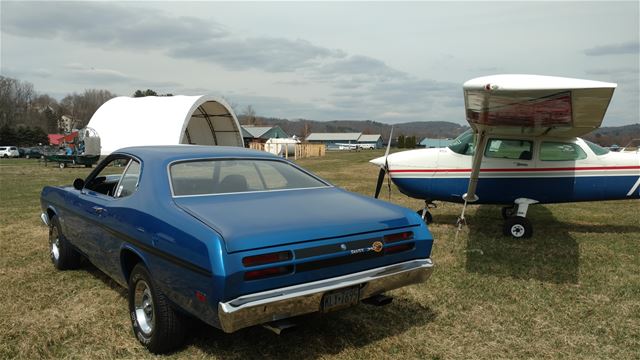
[572,291]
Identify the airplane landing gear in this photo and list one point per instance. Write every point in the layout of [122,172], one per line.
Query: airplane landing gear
[516,224]
[425,214]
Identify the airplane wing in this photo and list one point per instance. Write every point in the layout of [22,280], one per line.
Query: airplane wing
[532,105]
[536,105]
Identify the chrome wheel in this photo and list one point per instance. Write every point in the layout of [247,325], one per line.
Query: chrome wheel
[54,243]
[143,303]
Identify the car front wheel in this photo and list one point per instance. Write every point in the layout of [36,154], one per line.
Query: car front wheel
[155,323]
[63,256]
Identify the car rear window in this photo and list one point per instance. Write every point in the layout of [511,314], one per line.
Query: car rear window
[204,177]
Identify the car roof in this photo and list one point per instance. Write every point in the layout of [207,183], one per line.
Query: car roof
[185,152]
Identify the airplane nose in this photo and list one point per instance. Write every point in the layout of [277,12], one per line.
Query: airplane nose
[378,161]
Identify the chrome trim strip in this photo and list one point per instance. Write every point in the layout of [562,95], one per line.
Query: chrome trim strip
[45,218]
[272,305]
[260,158]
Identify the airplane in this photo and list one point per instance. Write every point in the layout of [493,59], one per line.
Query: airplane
[523,148]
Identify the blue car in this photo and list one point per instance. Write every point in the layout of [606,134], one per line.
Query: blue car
[231,236]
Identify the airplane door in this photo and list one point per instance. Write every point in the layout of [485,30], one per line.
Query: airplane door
[559,164]
[505,169]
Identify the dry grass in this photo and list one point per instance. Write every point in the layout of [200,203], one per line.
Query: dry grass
[573,291]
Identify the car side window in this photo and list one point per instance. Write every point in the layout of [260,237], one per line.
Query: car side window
[560,151]
[129,181]
[509,149]
[106,181]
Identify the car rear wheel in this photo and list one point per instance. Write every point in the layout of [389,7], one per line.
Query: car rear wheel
[63,255]
[156,324]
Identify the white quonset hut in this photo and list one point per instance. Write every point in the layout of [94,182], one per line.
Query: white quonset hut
[165,120]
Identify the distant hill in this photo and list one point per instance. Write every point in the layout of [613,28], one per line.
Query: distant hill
[606,136]
[302,128]
[618,135]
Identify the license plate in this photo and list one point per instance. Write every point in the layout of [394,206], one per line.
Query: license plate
[341,298]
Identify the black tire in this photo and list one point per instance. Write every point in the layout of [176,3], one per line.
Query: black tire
[156,324]
[518,227]
[508,211]
[63,255]
[87,165]
[428,218]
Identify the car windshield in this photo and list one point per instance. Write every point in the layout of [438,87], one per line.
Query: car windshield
[204,177]
[463,144]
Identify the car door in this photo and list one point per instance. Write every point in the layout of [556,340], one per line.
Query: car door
[93,203]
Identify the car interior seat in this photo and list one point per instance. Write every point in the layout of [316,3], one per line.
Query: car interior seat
[233,183]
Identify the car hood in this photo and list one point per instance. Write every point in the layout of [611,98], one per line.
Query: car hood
[256,220]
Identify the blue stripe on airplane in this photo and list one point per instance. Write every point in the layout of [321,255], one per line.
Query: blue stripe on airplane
[506,190]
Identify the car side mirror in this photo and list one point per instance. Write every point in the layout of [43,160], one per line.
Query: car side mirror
[78,184]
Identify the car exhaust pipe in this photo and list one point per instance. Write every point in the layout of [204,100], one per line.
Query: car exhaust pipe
[378,300]
[280,326]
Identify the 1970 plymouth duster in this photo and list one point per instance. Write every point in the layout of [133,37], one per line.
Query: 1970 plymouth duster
[231,236]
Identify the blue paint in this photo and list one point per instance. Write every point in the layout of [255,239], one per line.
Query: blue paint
[506,190]
[197,243]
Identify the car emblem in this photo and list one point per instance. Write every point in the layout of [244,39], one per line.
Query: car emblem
[377,246]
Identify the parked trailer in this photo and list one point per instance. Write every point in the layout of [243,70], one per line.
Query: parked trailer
[69,160]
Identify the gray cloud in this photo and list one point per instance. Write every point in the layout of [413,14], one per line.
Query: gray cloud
[97,77]
[629,47]
[268,54]
[104,24]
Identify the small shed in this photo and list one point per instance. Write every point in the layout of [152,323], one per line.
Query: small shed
[371,140]
[165,120]
[262,133]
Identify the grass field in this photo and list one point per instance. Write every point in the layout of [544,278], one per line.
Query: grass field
[572,291]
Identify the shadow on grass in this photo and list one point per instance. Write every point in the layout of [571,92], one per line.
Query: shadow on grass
[551,255]
[98,274]
[317,335]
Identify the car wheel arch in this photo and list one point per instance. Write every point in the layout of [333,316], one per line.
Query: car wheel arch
[129,258]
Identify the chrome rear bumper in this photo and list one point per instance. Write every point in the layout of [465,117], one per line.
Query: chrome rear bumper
[272,305]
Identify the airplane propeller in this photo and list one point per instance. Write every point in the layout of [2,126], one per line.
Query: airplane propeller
[384,169]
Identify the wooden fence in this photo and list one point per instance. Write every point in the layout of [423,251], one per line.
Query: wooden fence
[303,150]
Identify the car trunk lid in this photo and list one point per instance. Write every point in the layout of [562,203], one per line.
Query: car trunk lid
[255,220]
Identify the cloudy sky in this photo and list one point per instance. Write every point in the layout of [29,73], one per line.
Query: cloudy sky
[384,61]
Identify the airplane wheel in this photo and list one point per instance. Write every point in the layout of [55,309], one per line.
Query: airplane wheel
[428,218]
[508,211]
[518,227]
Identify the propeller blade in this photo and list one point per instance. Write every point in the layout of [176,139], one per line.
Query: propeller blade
[386,153]
[379,183]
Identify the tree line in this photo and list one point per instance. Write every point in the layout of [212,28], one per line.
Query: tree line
[26,117]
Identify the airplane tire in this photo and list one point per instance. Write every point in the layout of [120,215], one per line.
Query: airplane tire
[508,211]
[428,218]
[518,227]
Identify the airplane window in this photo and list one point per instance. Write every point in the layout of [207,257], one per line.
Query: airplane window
[509,149]
[463,144]
[558,151]
[597,149]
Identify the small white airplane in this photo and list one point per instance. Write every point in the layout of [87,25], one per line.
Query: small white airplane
[522,149]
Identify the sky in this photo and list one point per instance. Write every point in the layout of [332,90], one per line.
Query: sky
[384,61]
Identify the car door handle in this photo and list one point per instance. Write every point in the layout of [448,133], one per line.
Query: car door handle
[98,209]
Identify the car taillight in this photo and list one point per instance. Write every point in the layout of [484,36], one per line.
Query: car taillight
[407,235]
[398,248]
[266,258]
[268,272]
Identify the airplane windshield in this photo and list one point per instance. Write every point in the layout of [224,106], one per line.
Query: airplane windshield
[464,143]
[597,149]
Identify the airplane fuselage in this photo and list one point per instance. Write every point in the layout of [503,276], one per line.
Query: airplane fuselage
[545,169]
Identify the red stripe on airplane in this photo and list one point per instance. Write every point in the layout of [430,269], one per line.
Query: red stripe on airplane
[520,170]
